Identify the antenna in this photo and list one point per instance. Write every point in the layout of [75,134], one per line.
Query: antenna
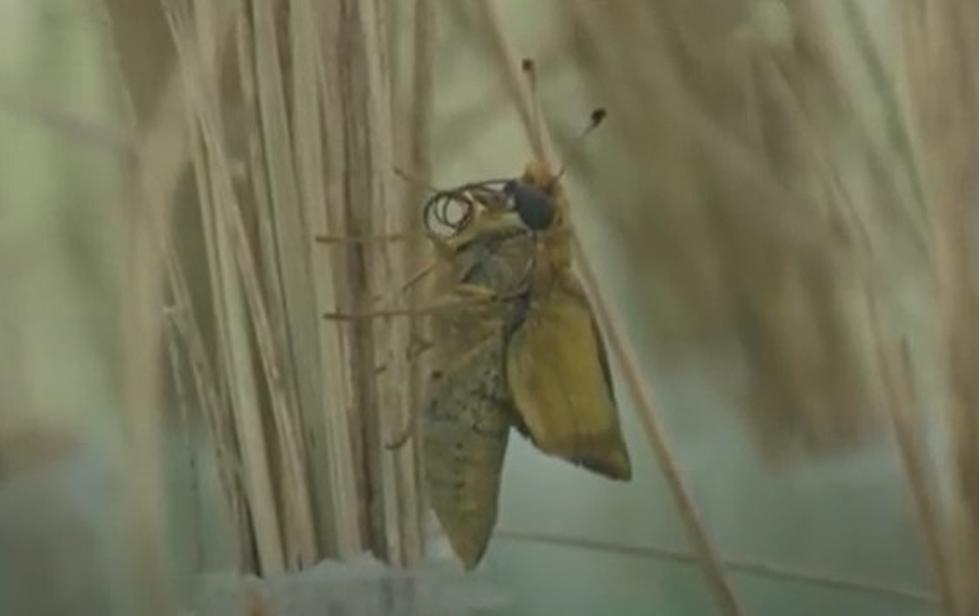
[595,119]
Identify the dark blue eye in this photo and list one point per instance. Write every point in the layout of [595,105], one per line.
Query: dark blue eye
[533,205]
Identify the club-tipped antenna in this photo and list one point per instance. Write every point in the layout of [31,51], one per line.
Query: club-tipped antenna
[595,119]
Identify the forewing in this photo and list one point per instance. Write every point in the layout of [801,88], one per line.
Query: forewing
[465,430]
[559,381]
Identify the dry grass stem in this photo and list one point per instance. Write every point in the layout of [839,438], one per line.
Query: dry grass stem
[328,433]
[363,202]
[897,378]
[625,356]
[230,257]
[763,569]
[158,160]
[649,417]
[940,42]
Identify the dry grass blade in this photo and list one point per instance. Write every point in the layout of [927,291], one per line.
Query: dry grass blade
[763,569]
[941,43]
[896,380]
[392,265]
[142,333]
[897,377]
[159,158]
[348,181]
[287,275]
[231,257]
[328,436]
[160,114]
[649,417]
[221,431]
[363,202]
[183,402]
[628,363]
[422,92]
[516,83]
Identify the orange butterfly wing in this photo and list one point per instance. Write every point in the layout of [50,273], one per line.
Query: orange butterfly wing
[558,376]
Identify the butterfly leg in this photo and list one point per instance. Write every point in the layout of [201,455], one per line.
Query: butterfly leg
[369,239]
[403,312]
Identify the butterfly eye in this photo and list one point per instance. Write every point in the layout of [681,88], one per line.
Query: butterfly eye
[533,205]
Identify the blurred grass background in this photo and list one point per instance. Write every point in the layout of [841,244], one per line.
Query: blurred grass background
[778,208]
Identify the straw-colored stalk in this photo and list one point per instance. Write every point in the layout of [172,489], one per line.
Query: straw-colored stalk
[154,180]
[899,397]
[763,569]
[291,137]
[626,358]
[144,523]
[358,110]
[941,43]
[418,154]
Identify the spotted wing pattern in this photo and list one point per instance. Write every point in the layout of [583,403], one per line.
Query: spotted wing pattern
[465,430]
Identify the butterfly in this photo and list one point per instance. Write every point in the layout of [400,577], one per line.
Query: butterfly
[541,367]
[523,346]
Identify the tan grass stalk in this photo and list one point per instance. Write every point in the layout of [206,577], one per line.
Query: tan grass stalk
[761,569]
[363,201]
[158,158]
[143,427]
[420,150]
[417,136]
[628,362]
[396,487]
[234,272]
[220,427]
[516,82]
[900,400]
[335,289]
[352,279]
[285,385]
[648,415]
[186,423]
[940,43]
[288,277]
[393,266]
[163,107]
[328,436]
